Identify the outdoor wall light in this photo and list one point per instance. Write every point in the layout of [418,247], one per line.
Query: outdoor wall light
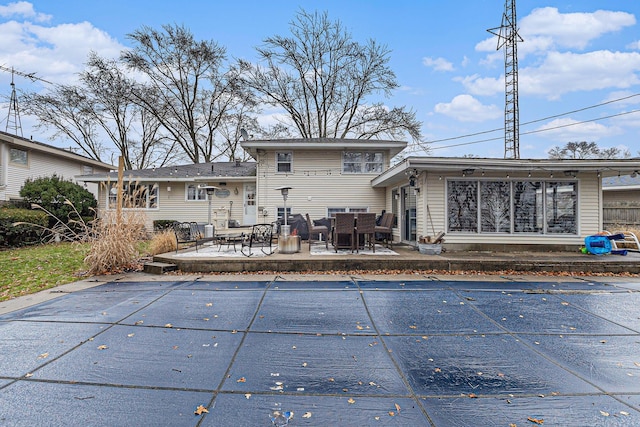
[466,172]
[571,173]
[412,174]
[634,174]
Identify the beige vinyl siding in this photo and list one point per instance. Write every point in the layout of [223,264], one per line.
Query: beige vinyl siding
[43,165]
[589,202]
[621,197]
[317,184]
[172,205]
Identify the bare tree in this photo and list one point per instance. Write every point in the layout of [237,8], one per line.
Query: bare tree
[323,80]
[187,90]
[66,110]
[586,150]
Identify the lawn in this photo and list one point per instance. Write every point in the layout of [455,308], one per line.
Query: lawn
[32,269]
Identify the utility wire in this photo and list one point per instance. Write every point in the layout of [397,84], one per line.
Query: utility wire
[536,121]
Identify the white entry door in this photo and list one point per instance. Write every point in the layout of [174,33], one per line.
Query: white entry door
[249,216]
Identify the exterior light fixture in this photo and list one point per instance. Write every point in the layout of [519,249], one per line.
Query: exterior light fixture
[412,174]
[210,189]
[285,195]
[466,172]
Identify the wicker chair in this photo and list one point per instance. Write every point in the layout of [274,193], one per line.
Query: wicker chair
[366,226]
[316,230]
[386,228]
[344,226]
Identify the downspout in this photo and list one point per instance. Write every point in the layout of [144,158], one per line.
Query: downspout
[4,163]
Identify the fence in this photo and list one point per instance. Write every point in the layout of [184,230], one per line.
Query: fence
[620,217]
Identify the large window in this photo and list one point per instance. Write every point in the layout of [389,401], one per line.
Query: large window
[194,193]
[18,156]
[543,207]
[284,162]
[362,162]
[135,196]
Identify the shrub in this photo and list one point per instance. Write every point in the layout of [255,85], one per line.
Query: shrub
[114,248]
[62,199]
[20,227]
[162,224]
[163,242]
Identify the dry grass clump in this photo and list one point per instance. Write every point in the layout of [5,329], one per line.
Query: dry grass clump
[163,242]
[115,245]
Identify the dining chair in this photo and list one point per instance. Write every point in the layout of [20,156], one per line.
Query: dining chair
[317,230]
[366,227]
[344,226]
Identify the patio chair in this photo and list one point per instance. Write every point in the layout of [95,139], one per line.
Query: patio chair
[386,228]
[344,227]
[317,230]
[366,227]
[261,237]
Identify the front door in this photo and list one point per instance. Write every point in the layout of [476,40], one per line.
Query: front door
[408,224]
[249,204]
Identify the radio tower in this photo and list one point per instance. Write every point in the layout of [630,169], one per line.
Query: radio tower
[508,38]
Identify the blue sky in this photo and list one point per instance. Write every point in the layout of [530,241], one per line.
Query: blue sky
[576,54]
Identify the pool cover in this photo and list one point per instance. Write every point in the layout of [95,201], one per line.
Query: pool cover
[325,353]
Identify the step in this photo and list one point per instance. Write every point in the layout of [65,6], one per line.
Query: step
[159,267]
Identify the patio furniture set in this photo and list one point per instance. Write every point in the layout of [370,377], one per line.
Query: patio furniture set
[347,231]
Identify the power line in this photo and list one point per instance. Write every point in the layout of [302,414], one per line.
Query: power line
[535,121]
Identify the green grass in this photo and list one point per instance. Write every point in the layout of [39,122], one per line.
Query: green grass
[36,268]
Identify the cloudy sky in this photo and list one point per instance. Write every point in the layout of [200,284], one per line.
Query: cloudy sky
[579,62]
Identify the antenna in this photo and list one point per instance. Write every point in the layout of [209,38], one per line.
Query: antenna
[508,38]
[13,119]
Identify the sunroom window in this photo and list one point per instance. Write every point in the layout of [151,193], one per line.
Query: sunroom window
[543,207]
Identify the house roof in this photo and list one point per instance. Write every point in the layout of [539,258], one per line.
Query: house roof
[606,168]
[29,144]
[229,171]
[393,147]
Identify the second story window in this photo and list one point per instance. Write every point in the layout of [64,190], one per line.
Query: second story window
[362,162]
[284,162]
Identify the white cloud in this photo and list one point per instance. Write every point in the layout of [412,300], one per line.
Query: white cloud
[55,53]
[562,73]
[566,129]
[23,9]
[547,29]
[634,46]
[438,64]
[477,85]
[468,109]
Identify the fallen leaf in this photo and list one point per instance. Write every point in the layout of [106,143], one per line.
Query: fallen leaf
[392,414]
[247,395]
[29,375]
[535,420]
[351,401]
[358,327]
[168,325]
[564,303]
[624,413]
[242,380]
[201,410]
[304,364]
[306,415]
[437,370]
[209,304]
[413,327]
[604,414]
[397,407]
[473,396]
[130,335]
[43,356]
[139,322]
[102,347]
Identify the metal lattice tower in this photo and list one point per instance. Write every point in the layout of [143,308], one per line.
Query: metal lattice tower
[13,118]
[508,38]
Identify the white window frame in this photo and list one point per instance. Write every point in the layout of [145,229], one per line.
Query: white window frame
[332,210]
[199,192]
[361,165]
[13,159]
[287,162]
[151,198]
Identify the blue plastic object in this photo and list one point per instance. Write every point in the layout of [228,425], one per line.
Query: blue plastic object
[598,245]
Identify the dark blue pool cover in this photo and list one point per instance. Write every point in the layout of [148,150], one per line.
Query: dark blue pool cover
[318,353]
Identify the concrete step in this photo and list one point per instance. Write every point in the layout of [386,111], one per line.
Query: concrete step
[159,267]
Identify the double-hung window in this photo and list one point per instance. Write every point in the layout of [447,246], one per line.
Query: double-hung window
[284,162]
[135,196]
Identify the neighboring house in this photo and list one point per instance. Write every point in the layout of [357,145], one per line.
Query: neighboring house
[479,203]
[22,159]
